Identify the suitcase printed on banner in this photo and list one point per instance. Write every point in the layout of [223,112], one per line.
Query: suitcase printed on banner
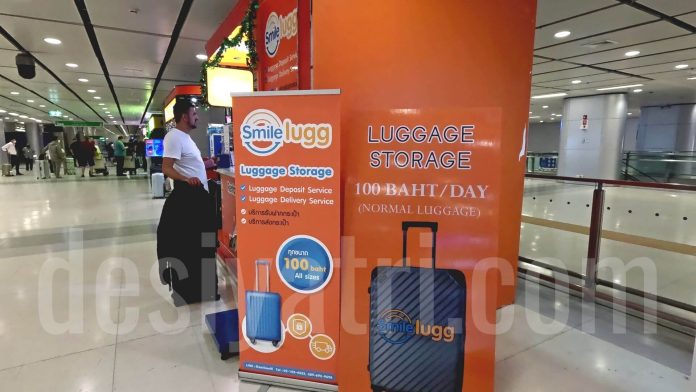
[263,311]
[417,325]
[157,181]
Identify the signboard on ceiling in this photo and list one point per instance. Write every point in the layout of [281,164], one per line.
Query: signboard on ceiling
[278,50]
[79,124]
[55,113]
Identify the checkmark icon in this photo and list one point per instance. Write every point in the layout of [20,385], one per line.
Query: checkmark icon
[243,198]
[242,187]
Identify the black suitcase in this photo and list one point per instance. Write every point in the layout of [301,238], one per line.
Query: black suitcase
[417,325]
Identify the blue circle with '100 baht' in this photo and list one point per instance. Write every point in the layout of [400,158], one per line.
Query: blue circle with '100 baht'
[304,264]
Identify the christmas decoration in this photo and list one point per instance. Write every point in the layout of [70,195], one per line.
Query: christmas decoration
[246,36]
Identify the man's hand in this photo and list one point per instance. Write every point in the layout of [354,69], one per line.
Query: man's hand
[194,181]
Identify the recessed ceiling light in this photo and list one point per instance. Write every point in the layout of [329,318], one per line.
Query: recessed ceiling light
[39,121]
[559,115]
[52,41]
[65,116]
[42,106]
[531,113]
[14,114]
[630,114]
[632,53]
[691,78]
[549,95]
[682,66]
[115,122]
[562,34]
[70,118]
[619,87]
[576,81]
[553,114]
[23,116]
[7,118]
[201,57]
[638,90]
[107,112]
[97,97]
[3,111]
[541,121]
[83,80]
[92,91]
[545,107]
[101,104]
[14,93]
[71,65]
[30,100]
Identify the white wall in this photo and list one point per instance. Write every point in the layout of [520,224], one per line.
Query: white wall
[631,134]
[544,137]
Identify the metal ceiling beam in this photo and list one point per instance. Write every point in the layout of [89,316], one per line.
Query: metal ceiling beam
[89,28]
[183,14]
[39,95]
[651,11]
[21,48]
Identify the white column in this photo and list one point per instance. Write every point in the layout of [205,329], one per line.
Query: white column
[594,152]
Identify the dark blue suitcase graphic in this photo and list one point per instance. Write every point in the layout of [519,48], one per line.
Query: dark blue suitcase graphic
[263,311]
[417,325]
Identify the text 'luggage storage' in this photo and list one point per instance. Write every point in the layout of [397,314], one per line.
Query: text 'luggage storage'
[417,325]
[263,311]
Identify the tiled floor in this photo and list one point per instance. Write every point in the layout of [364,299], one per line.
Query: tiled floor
[81,309]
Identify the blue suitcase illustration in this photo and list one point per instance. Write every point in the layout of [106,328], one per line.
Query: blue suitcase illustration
[417,325]
[263,311]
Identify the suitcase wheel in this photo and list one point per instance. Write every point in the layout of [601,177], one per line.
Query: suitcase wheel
[275,343]
[253,341]
[369,290]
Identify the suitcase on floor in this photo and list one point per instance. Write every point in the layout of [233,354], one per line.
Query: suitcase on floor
[42,169]
[6,170]
[263,311]
[157,182]
[70,166]
[417,325]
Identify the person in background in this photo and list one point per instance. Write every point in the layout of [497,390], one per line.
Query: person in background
[56,155]
[88,151]
[186,234]
[119,155]
[76,151]
[28,153]
[11,150]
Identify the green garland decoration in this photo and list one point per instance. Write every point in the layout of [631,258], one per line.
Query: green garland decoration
[247,29]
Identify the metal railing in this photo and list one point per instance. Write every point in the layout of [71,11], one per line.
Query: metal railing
[588,285]
[660,166]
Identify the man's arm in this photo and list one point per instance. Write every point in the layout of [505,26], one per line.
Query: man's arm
[169,171]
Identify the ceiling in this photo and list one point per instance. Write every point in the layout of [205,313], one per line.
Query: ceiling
[663,31]
[135,36]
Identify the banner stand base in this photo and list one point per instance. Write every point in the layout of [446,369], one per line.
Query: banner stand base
[285,382]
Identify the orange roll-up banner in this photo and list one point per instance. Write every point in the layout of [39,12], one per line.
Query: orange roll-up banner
[287,152]
[435,98]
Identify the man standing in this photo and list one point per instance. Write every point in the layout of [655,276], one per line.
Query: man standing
[11,150]
[56,154]
[120,155]
[28,153]
[186,235]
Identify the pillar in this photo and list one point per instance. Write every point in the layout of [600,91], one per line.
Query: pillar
[594,152]
[34,138]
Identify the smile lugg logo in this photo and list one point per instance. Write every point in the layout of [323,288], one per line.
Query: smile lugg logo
[397,327]
[263,133]
[277,28]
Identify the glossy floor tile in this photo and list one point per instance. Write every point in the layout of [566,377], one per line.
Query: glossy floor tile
[86,249]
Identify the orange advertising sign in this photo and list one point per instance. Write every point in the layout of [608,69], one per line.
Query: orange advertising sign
[277,25]
[287,152]
[433,162]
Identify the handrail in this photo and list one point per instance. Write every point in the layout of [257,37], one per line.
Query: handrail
[598,181]
[628,165]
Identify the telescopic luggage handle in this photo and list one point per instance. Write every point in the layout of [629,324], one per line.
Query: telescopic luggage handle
[268,275]
[426,225]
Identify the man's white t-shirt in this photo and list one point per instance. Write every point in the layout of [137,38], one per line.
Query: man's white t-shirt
[188,161]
